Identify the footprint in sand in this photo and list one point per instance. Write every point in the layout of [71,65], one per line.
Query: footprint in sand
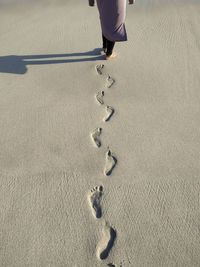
[107,242]
[110,265]
[109,112]
[95,135]
[94,198]
[109,81]
[99,69]
[99,97]
[111,161]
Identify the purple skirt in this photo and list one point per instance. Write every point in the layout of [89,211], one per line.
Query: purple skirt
[112,17]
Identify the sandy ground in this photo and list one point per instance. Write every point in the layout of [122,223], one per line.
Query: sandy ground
[146,212]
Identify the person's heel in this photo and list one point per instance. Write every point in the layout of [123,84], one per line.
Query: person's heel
[112,56]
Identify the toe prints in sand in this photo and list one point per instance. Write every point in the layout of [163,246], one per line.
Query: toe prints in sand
[99,97]
[95,136]
[94,199]
[109,81]
[110,164]
[107,241]
[99,69]
[109,112]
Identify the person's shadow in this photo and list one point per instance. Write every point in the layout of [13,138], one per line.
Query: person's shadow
[18,64]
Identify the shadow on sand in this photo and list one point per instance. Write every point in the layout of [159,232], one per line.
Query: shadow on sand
[18,64]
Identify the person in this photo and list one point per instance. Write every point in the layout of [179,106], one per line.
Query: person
[112,15]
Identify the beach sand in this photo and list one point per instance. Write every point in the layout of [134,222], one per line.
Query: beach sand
[79,191]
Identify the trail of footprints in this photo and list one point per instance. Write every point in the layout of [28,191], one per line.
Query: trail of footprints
[109,233]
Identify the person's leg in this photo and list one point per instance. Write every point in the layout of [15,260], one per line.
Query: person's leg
[110,46]
[104,42]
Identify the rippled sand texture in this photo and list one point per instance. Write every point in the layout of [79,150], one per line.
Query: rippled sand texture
[54,191]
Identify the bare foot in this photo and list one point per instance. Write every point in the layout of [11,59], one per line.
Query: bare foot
[113,55]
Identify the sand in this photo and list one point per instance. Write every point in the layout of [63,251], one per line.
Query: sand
[148,212]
